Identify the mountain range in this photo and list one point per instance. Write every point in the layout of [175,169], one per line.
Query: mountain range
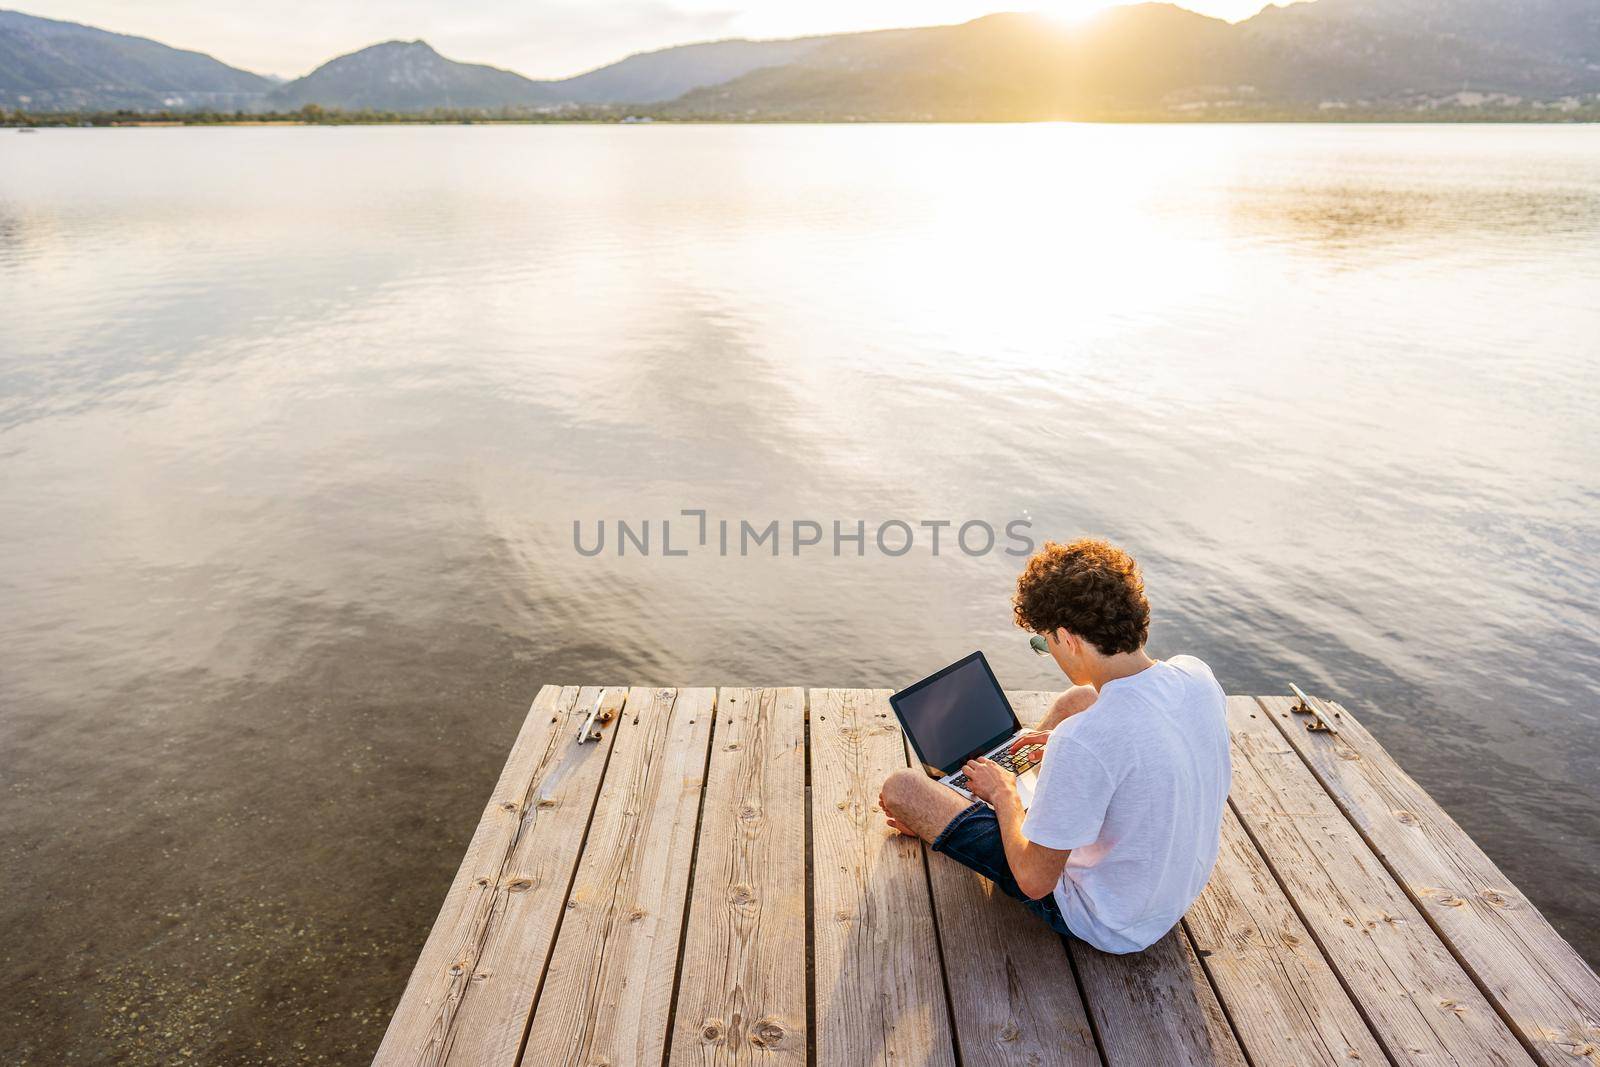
[1143,60]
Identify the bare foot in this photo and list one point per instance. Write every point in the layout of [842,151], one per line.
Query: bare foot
[894,824]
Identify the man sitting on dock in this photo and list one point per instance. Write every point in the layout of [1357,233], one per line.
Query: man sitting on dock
[1123,829]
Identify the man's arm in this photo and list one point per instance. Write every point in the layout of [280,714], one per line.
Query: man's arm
[1078,698]
[1036,868]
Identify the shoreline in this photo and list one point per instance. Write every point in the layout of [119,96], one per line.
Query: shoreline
[1476,120]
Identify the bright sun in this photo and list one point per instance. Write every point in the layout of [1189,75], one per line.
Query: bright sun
[1076,10]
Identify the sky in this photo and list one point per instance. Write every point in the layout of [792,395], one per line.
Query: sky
[538,38]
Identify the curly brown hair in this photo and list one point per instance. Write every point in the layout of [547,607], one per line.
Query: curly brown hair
[1091,588]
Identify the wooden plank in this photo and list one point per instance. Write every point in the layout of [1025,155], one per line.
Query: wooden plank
[879,990]
[1545,990]
[1032,704]
[1284,1000]
[742,994]
[494,931]
[1151,1007]
[608,989]
[1012,991]
[1155,1006]
[1422,1005]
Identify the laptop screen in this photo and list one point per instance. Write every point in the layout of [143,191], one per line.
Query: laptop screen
[954,714]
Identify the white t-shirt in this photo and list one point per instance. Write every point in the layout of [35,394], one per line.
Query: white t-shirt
[1134,786]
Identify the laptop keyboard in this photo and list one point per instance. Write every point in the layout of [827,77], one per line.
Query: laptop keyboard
[1015,762]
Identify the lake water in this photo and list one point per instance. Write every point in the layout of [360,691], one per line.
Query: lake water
[295,425]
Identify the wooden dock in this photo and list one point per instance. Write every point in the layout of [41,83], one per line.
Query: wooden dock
[711,882]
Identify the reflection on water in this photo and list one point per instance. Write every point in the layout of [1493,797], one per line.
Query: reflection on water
[294,425]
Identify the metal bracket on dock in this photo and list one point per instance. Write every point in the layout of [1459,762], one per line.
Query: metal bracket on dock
[590,730]
[1302,706]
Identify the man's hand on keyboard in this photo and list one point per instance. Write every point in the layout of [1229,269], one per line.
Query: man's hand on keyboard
[989,781]
[1034,741]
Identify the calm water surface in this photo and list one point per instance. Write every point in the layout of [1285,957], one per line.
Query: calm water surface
[295,423]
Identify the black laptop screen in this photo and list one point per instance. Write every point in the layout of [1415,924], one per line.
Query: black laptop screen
[955,713]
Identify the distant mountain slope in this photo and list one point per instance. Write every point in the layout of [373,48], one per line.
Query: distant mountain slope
[1001,66]
[1149,59]
[651,77]
[1397,47]
[50,65]
[409,76]
[1565,32]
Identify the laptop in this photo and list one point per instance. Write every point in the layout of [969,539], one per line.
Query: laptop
[959,714]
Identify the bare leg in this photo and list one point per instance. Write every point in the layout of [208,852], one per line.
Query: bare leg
[918,806]
[1078,698]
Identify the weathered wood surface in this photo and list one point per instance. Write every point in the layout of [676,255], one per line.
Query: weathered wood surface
[608,987]
[645,900]
[1156,1006]
[1397,969]
[879,987]
[467,998]
[1012,994]
[1545,990]
[742,997]
[1285,1001]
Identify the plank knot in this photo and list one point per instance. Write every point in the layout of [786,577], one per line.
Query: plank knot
[519,885]
[749,811]
[1405,818]
[711,1031]
[741,896]
[767,1033]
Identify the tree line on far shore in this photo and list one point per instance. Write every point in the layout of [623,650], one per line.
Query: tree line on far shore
[314,114]
[311,114]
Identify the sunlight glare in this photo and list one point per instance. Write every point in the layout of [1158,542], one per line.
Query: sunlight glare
[1072,12]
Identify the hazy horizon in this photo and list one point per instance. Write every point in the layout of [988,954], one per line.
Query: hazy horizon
[289,38]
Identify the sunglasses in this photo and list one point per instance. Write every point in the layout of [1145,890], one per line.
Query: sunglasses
[1039,645]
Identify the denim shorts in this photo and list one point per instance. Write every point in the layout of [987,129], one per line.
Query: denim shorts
[973,840]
